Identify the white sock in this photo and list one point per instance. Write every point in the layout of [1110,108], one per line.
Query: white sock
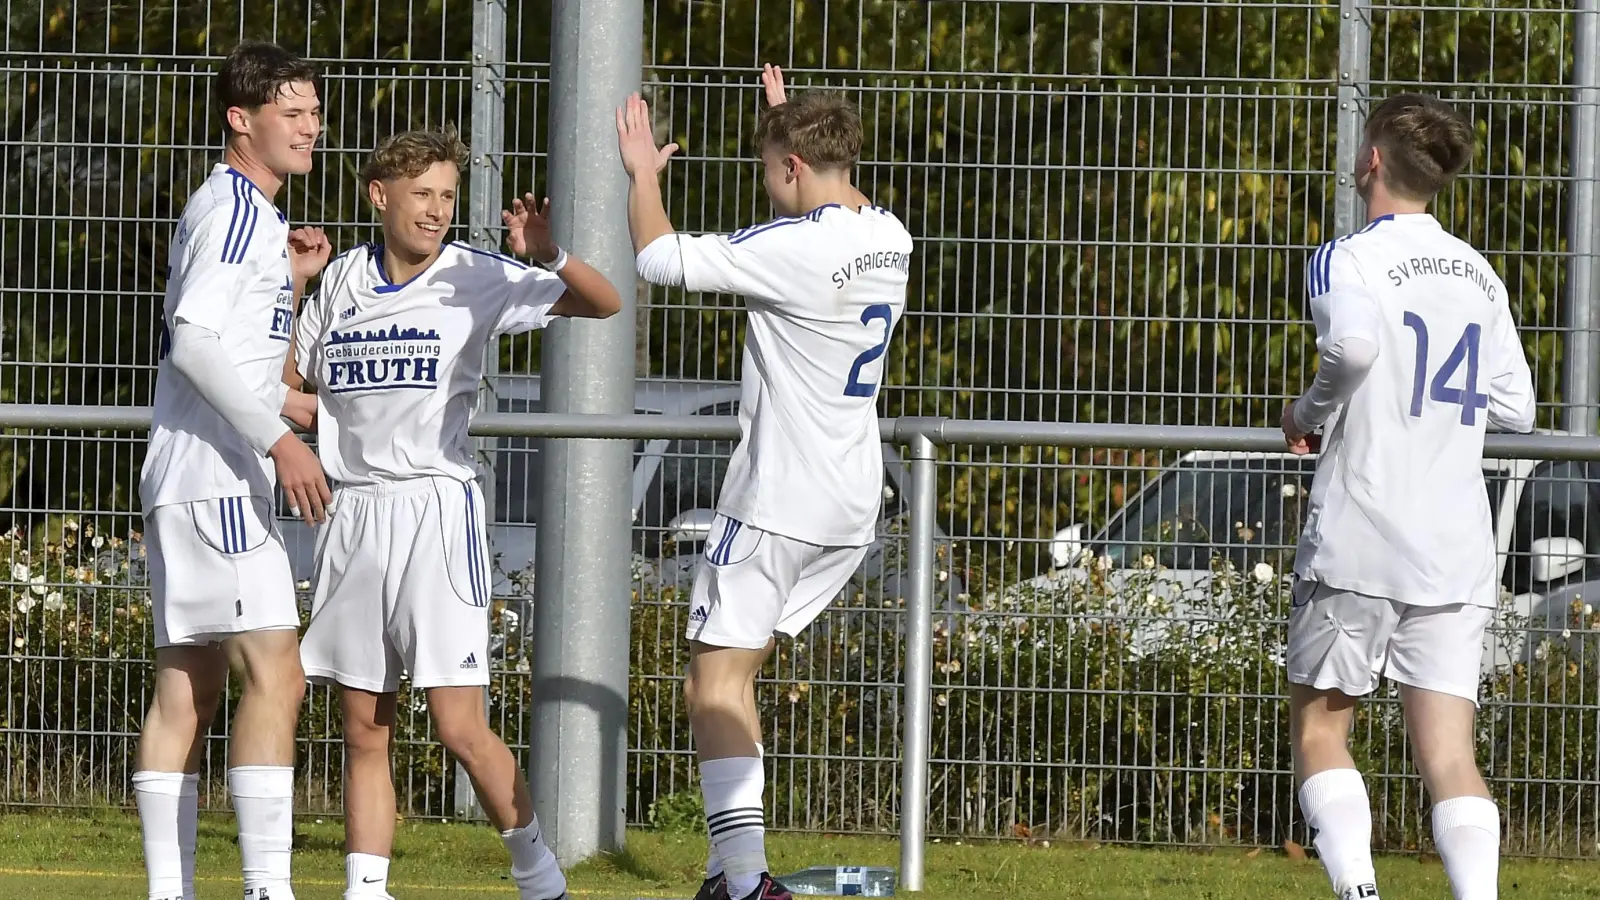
[188,829]
[1335,805]
[1467,832]
[263,801]
[733,790]
[713,860]
[159,796]
[533,867]
[365,875]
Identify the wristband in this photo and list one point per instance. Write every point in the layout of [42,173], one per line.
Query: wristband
[556,264]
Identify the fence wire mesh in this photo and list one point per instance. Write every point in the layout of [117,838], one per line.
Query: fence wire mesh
[1113,203]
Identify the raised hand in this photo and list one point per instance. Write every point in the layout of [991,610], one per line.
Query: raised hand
[528,229]
[309,249]
[636,141]
[772,80]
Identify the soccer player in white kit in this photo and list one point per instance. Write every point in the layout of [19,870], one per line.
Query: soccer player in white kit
[393,343]
[220,580]
[825,285]
[1396,565]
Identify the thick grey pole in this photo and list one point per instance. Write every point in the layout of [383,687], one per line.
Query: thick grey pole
[919,668]
[1355,45]
[583,587]
[1581,378]
[487,139]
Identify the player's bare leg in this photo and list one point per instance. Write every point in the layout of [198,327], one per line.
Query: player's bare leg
[1333,797]
[189,682]
[720,694]
[709,890]
[261,756]
[501,787]
[1466,822]
[369,802]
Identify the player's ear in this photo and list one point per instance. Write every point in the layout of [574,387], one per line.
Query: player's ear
[238,120]
[377,195]
[791,167]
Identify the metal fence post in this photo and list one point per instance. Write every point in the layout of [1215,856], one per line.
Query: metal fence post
[919,665]
[1355,44]
[487,139]
[1581,378]
[579,724]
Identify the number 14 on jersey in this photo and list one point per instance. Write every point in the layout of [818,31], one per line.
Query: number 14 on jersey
[1439,389]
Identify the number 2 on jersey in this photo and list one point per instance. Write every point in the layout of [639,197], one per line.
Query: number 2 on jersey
[855,387]
[1466,350]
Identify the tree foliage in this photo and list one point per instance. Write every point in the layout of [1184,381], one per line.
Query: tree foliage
[1113,202]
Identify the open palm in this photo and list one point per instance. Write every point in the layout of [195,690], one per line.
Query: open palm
[637,142]
[528,229]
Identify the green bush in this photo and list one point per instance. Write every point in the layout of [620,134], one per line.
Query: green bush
[1079,708]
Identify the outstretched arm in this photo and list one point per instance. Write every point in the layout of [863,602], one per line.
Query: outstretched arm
[643,161]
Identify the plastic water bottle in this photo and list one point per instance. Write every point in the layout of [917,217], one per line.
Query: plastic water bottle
[842,881]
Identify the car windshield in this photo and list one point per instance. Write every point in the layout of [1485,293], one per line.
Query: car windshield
[517,471]
[1248,509]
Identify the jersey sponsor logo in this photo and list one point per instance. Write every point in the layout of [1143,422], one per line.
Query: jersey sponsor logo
[382,359]
[283,312]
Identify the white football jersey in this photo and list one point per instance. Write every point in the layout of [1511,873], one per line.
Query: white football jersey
[1398,505]
[397,366]
[228,272]
[826,291]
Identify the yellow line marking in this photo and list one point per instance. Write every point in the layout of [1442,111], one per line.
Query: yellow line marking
[313,882]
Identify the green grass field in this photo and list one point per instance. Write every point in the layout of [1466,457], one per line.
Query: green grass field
[56,855]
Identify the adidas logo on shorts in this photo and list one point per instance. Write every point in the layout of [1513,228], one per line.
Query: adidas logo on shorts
[471,662]
[698,614]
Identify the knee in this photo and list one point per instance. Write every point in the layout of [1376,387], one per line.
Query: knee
[704,693]
[468,737]
[366,739]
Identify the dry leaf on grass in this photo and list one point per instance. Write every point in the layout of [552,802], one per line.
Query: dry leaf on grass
[1295,851]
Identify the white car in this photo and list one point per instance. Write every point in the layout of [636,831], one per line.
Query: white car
[1247,508]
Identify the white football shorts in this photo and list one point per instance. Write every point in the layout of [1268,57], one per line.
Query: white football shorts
[218,568]
[1341,640]
[402,584]
[751,584]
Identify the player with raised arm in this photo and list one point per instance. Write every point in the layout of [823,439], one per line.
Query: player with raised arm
[1396,566]
[393,343]
[825,284]
[220,580]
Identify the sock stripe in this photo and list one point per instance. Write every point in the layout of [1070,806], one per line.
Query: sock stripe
[722,828]
[715,819]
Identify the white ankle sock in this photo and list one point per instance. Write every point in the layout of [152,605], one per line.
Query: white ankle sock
[365,875]
[533,867]
[1466,830]
[160,798]
[263,801]
[1335,805]
[714,861]
[733,790]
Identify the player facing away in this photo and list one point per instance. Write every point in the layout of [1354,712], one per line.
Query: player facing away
[825,284]
[1396,566]
[220,579]
[393,343]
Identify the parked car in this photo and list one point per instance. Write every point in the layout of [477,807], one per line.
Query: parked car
[674,488]
[1248,508]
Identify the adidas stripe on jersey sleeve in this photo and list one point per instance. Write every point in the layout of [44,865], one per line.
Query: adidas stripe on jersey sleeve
[213,267]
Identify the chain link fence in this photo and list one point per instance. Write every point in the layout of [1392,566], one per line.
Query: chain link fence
[1114,202]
